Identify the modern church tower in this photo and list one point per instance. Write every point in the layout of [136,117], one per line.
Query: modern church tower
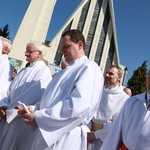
[95,18]
[34,26]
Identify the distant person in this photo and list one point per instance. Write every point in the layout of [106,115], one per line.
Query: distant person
[132,125]
[6,68]
[112,101]
[14,73]
[27,87]
[70,100]
[128,91]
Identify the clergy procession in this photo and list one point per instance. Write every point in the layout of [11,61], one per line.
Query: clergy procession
[78,108]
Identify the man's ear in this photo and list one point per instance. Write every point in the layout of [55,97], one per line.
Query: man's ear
[80,44]
[120,77]
[5,50]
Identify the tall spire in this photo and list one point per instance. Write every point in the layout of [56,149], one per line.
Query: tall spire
[34,26]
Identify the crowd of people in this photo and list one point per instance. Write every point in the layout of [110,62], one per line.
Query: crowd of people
[78,108]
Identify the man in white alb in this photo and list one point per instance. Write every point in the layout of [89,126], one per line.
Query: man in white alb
[69,101]
[112,101]
[27,87]
[132,125]
[6,68]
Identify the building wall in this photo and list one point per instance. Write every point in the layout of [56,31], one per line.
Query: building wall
[34,26]
[95,18]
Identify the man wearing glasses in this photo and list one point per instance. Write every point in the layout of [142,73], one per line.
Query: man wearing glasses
[28,87]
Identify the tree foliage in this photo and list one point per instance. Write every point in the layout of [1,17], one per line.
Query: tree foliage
[4,31]
[137,82]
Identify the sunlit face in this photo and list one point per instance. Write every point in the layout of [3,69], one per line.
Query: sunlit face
[31,54]
[6,45]
[69,49]
[112,77]
[5,49]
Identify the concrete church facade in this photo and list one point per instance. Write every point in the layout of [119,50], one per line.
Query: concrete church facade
[96,20]
[34,26]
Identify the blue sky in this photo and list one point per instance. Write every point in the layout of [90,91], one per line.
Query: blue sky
[132,24]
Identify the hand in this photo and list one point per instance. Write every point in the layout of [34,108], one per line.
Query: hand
[29,118]
[21,109]
[90,137]
[3,112]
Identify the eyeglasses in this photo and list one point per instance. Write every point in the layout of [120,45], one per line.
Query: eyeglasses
[30,52]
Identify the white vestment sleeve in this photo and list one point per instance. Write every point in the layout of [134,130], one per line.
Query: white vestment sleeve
[28,86]
[114,137]
[5,74]
[36,106]
[4,102]
[102,133]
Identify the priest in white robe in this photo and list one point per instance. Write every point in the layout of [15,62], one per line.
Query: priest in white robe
[70,100]
[27,87]
[112,101]
[6,68]
[131,127]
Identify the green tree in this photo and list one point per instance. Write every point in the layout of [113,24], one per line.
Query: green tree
[137,82]
[4,31]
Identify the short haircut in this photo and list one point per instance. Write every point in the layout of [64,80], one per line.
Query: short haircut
[75,36]
[37,45]
[120,71]
[6,42]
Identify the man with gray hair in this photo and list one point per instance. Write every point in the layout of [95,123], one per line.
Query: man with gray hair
[28,87]
[6,68]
